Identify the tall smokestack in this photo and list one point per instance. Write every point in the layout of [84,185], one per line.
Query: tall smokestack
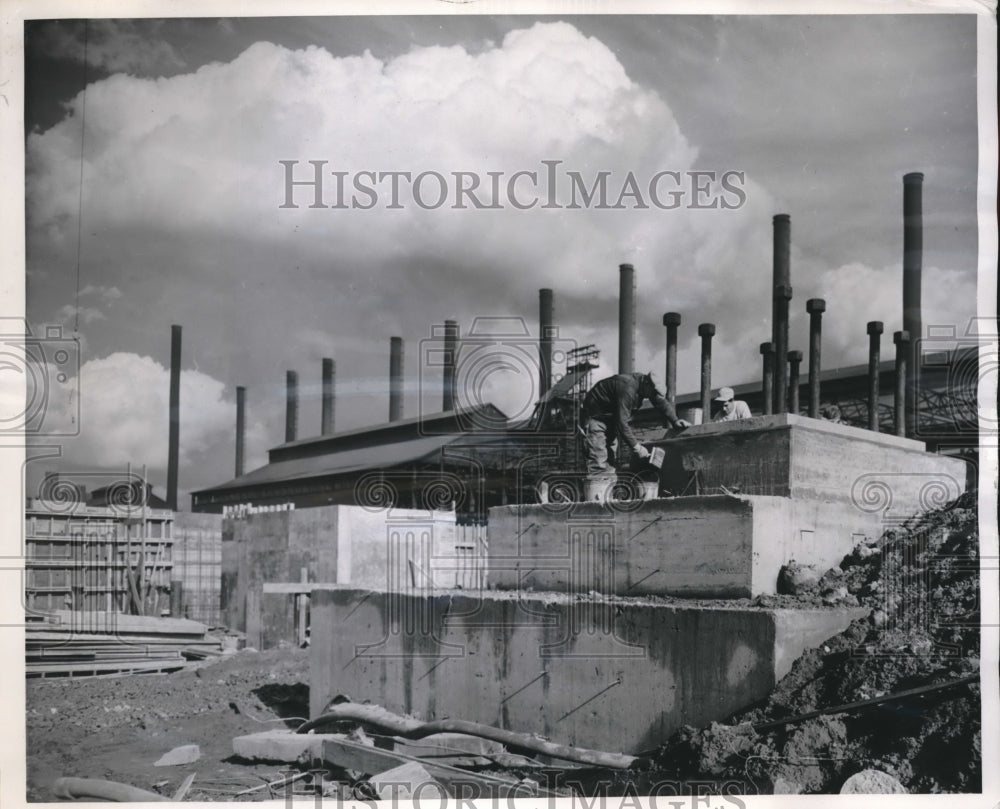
[794,364]
[706,332]
[291,405]
[913,249]
[173,448]
[782,301]
[395,378]
[671,320]
[874,350]
[241,427]
[450,360]
[545,326]
[902,341]
[626,319]
[767,380]
[329,380]
[781,279]
[815,307]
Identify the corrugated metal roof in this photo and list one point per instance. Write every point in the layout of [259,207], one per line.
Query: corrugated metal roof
[384,456]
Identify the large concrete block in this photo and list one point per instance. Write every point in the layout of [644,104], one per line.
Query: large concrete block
[715,546]
[608,673]
[803,458]
[388,548]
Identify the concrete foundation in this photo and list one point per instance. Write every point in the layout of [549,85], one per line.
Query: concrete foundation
[604,672]
[714,546]
[405,549]
[811,460]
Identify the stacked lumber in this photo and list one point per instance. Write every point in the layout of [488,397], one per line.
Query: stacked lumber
[64,643]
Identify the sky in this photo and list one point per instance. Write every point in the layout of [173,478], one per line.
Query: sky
[177,129]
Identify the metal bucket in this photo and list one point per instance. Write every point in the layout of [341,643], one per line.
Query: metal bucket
[598,488]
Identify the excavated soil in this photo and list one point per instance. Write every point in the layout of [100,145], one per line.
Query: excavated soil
[922,584]
[920,581]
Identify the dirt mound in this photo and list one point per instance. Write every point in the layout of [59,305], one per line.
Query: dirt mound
[922,583]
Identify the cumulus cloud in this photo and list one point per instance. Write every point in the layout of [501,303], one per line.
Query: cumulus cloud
[124,416]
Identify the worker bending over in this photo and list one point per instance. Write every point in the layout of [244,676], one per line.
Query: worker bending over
[607,409]
[727,407]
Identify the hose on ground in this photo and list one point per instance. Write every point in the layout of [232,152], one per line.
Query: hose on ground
[383,720]
[69,788]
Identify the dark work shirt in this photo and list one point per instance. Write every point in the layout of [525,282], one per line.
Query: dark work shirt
[614,400]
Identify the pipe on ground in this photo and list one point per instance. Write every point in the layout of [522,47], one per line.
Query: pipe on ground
[378,717]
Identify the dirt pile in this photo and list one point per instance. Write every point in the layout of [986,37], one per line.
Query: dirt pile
[921,581]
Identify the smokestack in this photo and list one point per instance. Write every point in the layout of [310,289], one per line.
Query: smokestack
[241,427]
[173,449]
[395,378]
[329,380]
[545,326]
[706,331]
[913,248]
[450,360]
[874,348]
[781,279]
[767,385]
[626,319]
[794,363]
[291,405]
[902,341]
[815,307]
[782,300]
[671,320]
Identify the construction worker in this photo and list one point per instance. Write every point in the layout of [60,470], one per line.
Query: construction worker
[607,410]
[726,407]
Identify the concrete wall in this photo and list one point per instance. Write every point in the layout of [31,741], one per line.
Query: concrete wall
[609,673]
[713,546]
[197,565]
[402,549]
[788,455]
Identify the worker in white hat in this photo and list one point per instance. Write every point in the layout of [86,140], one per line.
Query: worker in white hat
[727,407]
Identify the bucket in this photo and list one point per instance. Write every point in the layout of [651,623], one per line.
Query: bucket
[691,414]
[651,489]
[597,488]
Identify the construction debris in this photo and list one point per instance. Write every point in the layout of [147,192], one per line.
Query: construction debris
[64,643]
[185,754]
[89,789]
[278,745]
[409,781]
[408,728]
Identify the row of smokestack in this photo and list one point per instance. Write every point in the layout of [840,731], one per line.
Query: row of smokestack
[780,383]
